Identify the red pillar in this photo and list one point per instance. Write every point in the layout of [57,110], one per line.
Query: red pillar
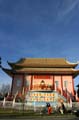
[12,84]
[72,85]
[31,82]
[61,85]
[53,83]
[23,82]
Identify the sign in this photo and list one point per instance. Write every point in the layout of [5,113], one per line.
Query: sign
[42,96]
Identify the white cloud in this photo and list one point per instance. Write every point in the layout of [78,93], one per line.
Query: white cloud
[66,8]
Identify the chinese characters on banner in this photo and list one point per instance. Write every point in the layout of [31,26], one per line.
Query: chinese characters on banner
[42,97]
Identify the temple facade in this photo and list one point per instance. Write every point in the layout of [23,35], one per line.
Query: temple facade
[46,79]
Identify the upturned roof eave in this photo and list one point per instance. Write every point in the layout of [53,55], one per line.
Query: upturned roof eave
[8,71]
[58,72]
[43,62]
[14,65]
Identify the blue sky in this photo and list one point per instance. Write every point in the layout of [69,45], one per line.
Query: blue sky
[38,28]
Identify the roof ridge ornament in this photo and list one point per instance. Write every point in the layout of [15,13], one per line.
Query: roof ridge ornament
[70,62]
[77,62]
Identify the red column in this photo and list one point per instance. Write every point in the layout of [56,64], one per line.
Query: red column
[72,85]
[12,84]
[31,82]
[53,83]
[61,85]
[23,82]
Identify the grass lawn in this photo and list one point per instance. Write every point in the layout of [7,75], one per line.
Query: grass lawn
[31,114]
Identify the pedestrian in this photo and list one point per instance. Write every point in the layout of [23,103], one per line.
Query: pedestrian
[49,110]
[63,107]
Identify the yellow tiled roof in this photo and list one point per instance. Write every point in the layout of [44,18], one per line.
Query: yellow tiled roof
[57,66]
[43,62]
[53,71]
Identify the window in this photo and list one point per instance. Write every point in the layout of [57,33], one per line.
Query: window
[56,83]
[65,83]
[27,83]
[18,82]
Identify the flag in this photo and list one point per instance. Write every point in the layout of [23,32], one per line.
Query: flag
[4,102]
[8,94]
[23,91]
[13,104]
[70,102]
[14,99]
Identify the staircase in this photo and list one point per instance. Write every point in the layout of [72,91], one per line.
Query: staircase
[62,98]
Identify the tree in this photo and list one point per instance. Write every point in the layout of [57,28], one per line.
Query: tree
[78,91]
[5,89]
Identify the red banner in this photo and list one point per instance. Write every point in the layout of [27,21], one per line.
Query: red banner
[42,76]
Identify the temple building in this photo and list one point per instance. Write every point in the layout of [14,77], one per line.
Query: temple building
[46,79]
